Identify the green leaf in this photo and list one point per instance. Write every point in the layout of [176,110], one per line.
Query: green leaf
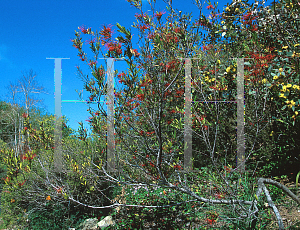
[297,178]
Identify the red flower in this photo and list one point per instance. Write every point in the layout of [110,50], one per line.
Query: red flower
[219,195]
[254,28]
[141,97]
[135,52]
[33,156]
[134,157]
[159,14]
[143,27]
[24,115]
[21,184]
[25,128]
[84,29]
[23,157]
[177,30]
[209,7]
[177,166]
[227,169]
[210,221]
[92,63]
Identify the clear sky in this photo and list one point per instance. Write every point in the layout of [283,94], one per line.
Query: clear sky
[34,30]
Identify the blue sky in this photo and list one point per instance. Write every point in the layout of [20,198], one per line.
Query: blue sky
[34,30]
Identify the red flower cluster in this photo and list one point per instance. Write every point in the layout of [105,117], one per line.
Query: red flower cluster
[150,133]
[227,169]
[169,38]
[114,47]
[23,157]
[140,97]
[92,63]
[21,184]
[248,19]
[210,7]
[210,221]
[177,167]
[143,27]
[158,15]
[106,32]
[172,65]
[219,195]
[85,30]
[135,52]
[179,93]
[139,16]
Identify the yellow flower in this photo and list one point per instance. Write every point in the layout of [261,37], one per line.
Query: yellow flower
[283,88]
[297,45]
[285,47]
[282,95]
[219,62]
[292,103]
[206,78]
[223,22]
[12,200]
[264,81]
[287,102]
[271,134]
[213,79]
[236,9]
[227,8]
[295,87]
[289,86]
[296,112]
[48,198]
[280,70]
[295,54]
[275,77]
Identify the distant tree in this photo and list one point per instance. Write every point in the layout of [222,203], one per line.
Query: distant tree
[26,85]
[21,101]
